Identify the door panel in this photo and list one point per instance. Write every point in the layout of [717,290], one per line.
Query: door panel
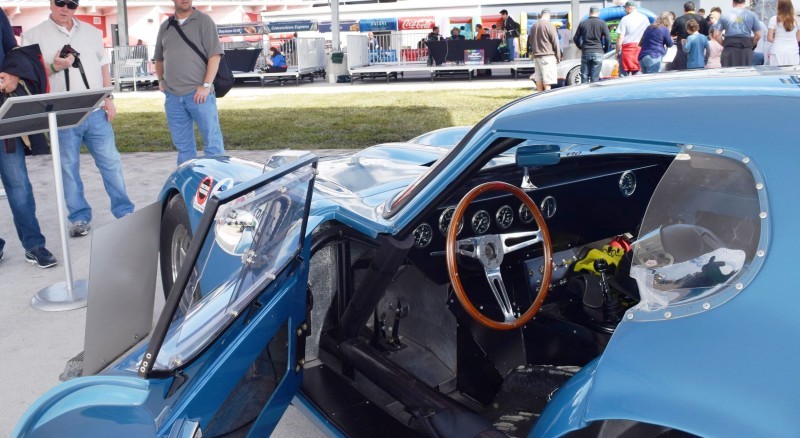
[229,331]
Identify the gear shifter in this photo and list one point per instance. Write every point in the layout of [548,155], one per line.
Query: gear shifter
[611,306]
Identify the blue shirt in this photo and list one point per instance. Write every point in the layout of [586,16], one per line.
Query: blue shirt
[653,42]
[738,22]
[279,61]
[696,46]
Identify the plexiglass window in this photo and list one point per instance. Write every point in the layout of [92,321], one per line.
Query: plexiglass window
[252,239]
[704,232]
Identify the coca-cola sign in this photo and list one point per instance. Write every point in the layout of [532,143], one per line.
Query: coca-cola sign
[416,23]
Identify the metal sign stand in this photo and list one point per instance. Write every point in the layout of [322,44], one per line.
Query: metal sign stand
[42,113]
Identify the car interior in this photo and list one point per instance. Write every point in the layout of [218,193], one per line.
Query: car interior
[394,351]
[468,319]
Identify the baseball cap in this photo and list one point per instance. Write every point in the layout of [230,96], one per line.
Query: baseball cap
[594,9]
[545,11]
[630,3]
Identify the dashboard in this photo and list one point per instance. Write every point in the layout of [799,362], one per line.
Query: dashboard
[582,199]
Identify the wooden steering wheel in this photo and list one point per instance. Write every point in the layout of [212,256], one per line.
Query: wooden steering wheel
[489,251]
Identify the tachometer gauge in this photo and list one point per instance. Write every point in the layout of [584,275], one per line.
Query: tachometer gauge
[444,221]
[481,221]
[423,235]
[504,217]
[525,215]
[627,183]
[548,207]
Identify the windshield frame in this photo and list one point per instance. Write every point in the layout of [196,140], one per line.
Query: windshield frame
[202,232]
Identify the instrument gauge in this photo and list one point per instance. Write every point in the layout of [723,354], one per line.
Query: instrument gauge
[627,183]
[525,215]
[423,235]
[481,222]
[444,221]
[548,207]
[504,217]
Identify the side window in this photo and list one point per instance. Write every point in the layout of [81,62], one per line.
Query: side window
[253,237]
[706,228]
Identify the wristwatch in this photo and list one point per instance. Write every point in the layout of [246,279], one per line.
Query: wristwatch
[206,85]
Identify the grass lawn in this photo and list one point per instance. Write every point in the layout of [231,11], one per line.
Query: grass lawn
[314,121]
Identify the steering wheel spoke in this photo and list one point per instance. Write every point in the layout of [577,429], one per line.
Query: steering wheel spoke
[467,247]
[533,237]
[489,250]
[500,294]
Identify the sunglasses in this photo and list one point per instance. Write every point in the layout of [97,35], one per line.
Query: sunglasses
[68,4]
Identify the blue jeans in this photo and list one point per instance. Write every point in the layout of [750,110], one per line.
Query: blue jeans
[182,113]
[98,136]
[650,64]
[512,48]
[19,191]
[591,64]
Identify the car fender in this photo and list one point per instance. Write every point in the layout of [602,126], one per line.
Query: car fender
[78,407]
[566,411]
[214,174]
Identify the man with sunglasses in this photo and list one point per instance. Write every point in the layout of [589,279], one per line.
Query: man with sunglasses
[14,172]
[89,72]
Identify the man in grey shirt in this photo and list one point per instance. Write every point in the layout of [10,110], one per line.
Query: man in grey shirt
[187,81]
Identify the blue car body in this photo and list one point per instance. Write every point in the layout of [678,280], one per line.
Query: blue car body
[715,367]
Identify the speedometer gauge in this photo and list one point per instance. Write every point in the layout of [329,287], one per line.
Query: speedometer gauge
[627,183]
[548,207]
[481,221]
[525,215]
[423,235]
[504,217]
[444,221]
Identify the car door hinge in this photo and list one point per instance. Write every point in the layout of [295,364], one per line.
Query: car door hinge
[178,380]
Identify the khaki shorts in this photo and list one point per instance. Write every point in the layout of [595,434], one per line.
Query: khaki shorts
[545,69]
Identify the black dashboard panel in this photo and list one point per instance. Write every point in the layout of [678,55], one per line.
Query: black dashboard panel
[584,199]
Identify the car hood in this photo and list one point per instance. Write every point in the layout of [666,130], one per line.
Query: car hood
[377,169]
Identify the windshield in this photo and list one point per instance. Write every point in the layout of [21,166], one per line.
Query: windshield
[253,237]
[703,230]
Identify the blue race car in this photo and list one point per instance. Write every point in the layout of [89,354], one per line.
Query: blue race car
[626,275]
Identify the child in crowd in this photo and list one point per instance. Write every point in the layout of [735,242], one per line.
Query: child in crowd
[695,46]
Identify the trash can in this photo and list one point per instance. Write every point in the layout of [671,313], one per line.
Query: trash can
[337,57]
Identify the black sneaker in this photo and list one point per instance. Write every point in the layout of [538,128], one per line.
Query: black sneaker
[40,256]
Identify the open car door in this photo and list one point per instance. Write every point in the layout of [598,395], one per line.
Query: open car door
[225,358]
[231,336]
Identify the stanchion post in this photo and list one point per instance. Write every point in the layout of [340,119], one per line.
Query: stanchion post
[70,294]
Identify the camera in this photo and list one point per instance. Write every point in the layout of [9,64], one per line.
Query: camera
[68,50]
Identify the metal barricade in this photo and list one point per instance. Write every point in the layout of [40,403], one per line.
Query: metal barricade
[131,64]
[412,46]
[310,54]
[357,51]
[288,47]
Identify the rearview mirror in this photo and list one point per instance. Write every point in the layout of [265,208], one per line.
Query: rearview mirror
[538,155]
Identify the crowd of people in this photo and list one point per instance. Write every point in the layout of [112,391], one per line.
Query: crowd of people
[728,39]
[188,53]
[69,55]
